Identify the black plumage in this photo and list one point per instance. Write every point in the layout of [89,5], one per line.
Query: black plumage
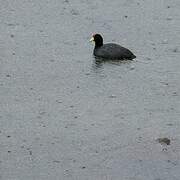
[110,50]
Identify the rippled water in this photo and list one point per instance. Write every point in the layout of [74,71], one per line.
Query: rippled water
[65,115]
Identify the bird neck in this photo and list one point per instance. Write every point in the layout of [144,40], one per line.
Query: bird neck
[98,44]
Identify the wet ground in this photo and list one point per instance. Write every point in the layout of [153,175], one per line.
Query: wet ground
[65,117]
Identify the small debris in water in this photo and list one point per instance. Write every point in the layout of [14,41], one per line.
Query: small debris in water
[174,93]
[8,75]
[169,124]
[164,83]
[11,24]
[164,141]
[175,50]
[56,161]
[112,96]
[66,1]
[169,18]
[58,101]
[165,41]
[148,58]
[42,112]
[74,12]
[12,35]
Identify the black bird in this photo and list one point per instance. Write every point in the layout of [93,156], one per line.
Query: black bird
[110,50]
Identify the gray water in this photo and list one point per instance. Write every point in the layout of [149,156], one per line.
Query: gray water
[65,117]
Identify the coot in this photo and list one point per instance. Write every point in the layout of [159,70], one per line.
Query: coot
[110,50]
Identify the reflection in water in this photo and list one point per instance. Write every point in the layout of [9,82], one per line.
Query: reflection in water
[99,62]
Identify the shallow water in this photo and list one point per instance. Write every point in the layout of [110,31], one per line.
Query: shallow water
[65,116]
